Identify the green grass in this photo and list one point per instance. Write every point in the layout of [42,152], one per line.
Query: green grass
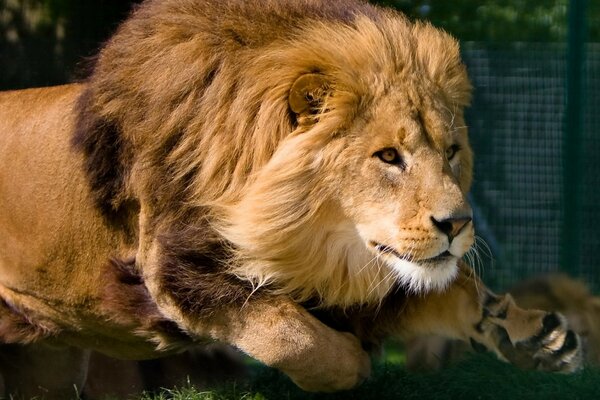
[477,377]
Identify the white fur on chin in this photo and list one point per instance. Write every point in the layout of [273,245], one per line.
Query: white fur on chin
[420,278]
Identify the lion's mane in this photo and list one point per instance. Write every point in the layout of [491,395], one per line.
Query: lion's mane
[187,111]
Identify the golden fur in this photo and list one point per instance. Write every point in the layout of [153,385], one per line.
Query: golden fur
[228,163]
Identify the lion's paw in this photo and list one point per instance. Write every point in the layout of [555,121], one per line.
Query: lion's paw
[341,365]
[533,339]
[553,348]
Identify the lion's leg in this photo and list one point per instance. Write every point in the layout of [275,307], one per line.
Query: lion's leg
[283,335]
[185,275]
[467,310]
[43,371]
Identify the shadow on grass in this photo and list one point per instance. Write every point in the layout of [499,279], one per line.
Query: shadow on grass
[477,377]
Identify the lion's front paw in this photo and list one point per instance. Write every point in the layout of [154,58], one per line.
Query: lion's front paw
[339,363]
[532,339]
[553,348]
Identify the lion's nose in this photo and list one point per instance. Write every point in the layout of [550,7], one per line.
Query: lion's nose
[451,227]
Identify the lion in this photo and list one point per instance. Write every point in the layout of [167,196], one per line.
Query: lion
[288,177]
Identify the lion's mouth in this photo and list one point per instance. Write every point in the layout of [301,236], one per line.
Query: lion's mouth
[382,248]
[440,257]
[386,249]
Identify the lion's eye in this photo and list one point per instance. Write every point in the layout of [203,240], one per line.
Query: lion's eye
[451,151]
[389,156]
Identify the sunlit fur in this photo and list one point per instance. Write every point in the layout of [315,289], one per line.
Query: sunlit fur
[283,194]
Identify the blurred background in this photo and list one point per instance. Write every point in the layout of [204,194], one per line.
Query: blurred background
[534,121]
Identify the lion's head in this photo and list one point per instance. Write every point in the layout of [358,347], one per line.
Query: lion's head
[369,187]
[330,151]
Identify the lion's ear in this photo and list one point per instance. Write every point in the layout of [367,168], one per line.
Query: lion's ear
[307,95]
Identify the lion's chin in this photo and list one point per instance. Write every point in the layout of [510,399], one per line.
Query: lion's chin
[423,277]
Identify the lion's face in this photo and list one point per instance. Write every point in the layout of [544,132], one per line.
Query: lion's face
[404,188]
[401,178]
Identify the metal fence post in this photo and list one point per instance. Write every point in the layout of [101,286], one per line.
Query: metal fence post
[572,138]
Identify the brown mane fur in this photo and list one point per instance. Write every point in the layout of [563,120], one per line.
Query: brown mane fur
[194,109]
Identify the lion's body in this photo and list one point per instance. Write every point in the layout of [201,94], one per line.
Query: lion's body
[56,243]
[227,161]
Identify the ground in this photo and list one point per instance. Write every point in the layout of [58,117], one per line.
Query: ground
[479,376]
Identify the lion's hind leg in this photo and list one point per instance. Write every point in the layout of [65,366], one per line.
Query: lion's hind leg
[33,367]
[43,371]
[16,327]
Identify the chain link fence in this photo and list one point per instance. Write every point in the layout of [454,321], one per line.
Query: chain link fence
[517,126]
